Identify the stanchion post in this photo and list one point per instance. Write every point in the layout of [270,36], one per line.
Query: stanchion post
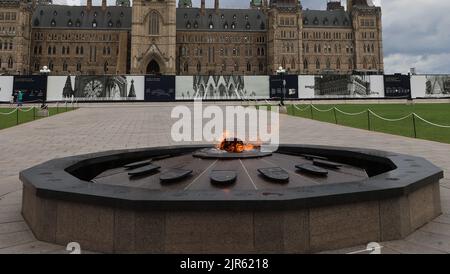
[312,115]
[335,116]
[34,113]
[17,116]
[368,119]
[414,125]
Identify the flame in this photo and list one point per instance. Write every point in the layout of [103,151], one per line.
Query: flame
[234,145]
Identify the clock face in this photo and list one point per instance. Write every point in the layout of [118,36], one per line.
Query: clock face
[93,89]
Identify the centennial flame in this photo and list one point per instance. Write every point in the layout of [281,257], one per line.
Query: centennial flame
[234,145]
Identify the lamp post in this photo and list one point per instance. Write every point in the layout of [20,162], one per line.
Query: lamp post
[45,71]
[281,71]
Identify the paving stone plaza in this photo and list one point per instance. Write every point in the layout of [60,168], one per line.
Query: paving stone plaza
[103,127]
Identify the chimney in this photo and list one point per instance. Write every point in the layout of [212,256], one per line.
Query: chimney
[216,5]
[89,4]
[334,5]
[202,7]
[104,5]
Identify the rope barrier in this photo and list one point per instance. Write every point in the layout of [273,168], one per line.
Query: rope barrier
[8,113]
[307,107]
[321,110]
[351,114]
[31,108]
[428,122]
[390,120]
[374,114]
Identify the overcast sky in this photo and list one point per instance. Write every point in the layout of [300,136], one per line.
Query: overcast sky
[416,33]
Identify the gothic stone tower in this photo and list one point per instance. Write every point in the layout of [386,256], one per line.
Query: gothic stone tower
[153,37]
[284,36]
[366,21]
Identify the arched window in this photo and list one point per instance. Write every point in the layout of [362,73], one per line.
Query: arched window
[236,66]
[293,64]
[374,63]
[328,64]
[305,64]
[49,50]
[40,49]
[54,50]
[224,66]
[65,66]
[364,63]
[350,64]
[10,62]
[338,64]
[249,67]
[186,67]
[261,67]
[283,63]
[199,67]
[317,64]
[105,67]
[78,66]
[50,65]
[154,23]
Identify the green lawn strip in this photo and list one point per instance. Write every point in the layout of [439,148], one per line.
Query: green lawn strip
[435,113]
[25,116]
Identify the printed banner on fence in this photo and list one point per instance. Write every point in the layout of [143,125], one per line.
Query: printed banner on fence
[95,88]
[6,88]
[159,88]
[34,88]
[222,87]
[284,85]
[430,86]
[397,86]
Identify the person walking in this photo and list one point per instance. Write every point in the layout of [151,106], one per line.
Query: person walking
[19,98]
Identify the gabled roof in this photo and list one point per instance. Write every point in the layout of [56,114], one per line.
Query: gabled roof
[326,18]
[78,17]
[224,20]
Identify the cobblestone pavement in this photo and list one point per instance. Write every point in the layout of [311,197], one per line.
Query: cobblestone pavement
[92,129]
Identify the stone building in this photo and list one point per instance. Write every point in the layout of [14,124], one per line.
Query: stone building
[170,37]
[81,39]
[15,36]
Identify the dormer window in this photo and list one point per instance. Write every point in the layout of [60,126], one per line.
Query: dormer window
[211,26]
[316,21]
[188,25]
[246,17]
[118,24]
[41,12]
[185,16]
[233,25]
[234,16]
[121,14]
[325,21]
[69,23]
[225,26]
[55,13]
[53,23]
[95,14]
[110,24]
[77,23]
[222,16]
[108,14]
[305,22]
[36,22]
[195,25]
[262,26]
[247,26]
[82,14]
[94,24]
